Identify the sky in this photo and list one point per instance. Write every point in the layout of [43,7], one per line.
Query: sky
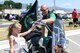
[71,4]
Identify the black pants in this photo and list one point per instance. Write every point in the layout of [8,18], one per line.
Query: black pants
[75,20]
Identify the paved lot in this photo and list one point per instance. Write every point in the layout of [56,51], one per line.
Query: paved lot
[74,44]
[4,51]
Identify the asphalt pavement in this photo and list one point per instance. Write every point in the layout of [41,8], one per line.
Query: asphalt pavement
[74,44]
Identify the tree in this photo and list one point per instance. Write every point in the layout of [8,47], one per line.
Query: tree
[29,6]
[18,5]
[1,7]
[8,3]
[11,4]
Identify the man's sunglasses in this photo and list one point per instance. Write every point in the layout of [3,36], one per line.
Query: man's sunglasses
[44,9]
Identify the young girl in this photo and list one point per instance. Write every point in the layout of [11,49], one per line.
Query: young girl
[15,37]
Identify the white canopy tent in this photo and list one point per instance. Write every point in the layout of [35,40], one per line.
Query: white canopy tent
[60,11]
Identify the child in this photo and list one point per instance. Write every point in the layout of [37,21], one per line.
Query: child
[15,37]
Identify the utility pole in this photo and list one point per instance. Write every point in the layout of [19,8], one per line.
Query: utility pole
[54,5]
[53,36]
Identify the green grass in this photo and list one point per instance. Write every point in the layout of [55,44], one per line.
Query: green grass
[3,33]
[67,27]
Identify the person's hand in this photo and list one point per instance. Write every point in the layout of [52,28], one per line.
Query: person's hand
[43,21]
[39,20]
[33,27]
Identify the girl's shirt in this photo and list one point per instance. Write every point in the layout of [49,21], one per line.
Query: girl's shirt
[18,42]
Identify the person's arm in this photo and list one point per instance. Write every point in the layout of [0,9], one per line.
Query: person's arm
[11,44]
[51,19]
[27,32]
[77,15]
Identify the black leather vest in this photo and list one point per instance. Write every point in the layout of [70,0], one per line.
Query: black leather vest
[49,25]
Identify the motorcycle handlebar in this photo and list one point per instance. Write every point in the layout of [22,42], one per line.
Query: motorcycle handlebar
[42,24]
[39,23]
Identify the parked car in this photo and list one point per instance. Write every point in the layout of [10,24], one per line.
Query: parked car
[66,16]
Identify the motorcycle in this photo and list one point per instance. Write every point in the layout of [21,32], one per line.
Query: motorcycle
[51,44]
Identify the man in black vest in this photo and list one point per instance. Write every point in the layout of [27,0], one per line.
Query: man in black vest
[48,17]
